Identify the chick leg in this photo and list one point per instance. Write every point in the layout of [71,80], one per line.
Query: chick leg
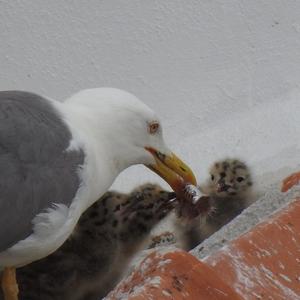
[290,181]
[9,284]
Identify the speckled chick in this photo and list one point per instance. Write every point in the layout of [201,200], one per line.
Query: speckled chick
[94,258]
[229,188]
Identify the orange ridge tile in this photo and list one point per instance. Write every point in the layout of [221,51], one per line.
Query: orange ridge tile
[290,181]
[173,275]
[265,262]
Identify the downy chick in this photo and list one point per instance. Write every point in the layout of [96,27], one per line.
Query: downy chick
[229,188]
[92,261]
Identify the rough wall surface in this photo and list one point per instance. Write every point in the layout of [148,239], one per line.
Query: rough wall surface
[223,74]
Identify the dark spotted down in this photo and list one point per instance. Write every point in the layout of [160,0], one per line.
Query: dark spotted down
[228,177]
[93,259]
[163,239]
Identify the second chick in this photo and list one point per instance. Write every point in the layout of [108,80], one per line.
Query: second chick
[229,188]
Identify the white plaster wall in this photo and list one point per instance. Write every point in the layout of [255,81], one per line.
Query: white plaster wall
[223,75]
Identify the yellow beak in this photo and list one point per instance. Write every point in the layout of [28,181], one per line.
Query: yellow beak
[172,169]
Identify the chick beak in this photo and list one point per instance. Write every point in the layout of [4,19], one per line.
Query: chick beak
[222,187]
[172,169]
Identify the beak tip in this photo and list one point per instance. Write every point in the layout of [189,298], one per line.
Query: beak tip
[172,169]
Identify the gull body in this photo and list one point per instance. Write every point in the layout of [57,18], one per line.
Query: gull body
[58,158]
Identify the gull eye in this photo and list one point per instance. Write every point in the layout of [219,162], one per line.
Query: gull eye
[212,177]
[240,179]
[153,127]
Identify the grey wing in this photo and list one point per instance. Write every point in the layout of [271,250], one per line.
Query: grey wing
[35,169]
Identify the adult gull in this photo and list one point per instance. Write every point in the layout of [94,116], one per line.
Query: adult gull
[58,158]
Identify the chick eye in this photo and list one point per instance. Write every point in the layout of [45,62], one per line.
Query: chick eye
[240,179]
[153,127]
[212,177]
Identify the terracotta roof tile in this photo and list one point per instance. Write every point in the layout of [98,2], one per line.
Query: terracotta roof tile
[173,275]
[263,263]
